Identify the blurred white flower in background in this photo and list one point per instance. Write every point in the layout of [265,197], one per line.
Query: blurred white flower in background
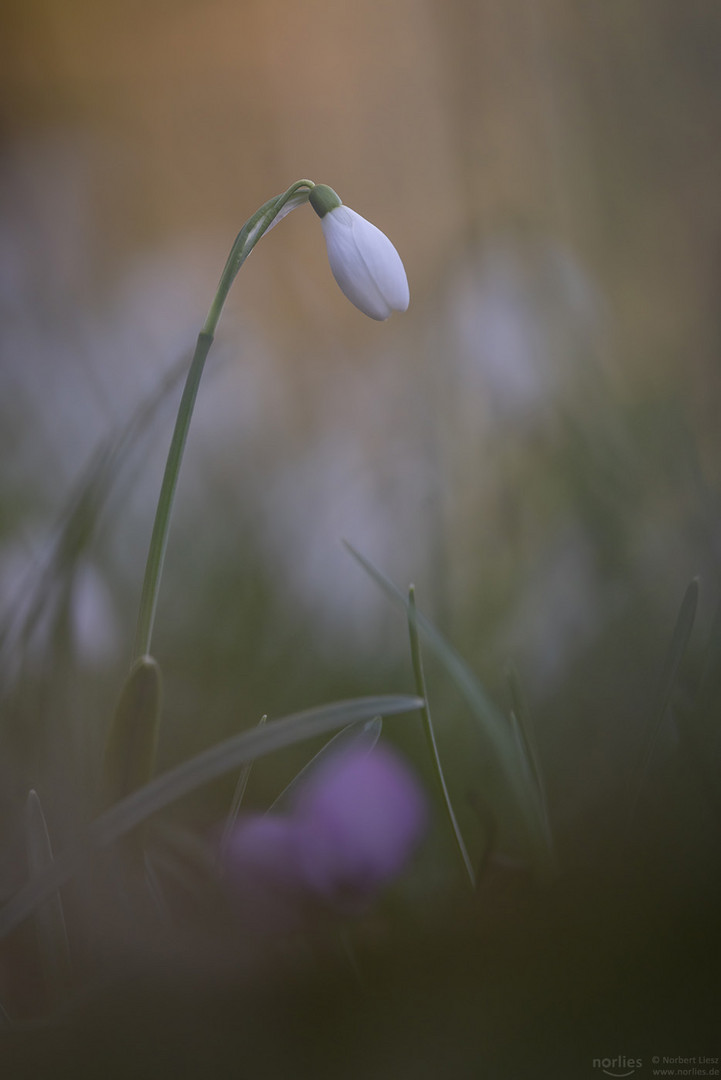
[524,317]
[340,489]
[94,625]
[42,605]
[560,610]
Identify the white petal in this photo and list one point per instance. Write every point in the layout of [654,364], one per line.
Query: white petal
[383,261]
[365,264]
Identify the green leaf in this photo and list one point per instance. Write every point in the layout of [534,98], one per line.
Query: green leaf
[491,723]
[699,725]
[238,795]
[133,737]
[76,525]
[49,917]
[669,674]
[420,679]
[707,707]
[174,784]
[366,734]
[528,749]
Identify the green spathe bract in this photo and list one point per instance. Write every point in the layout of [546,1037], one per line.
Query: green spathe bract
[323,199]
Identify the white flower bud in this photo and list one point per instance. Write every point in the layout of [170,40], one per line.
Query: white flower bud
[364,262]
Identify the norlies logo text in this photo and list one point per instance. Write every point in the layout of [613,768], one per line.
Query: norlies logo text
[618,1066]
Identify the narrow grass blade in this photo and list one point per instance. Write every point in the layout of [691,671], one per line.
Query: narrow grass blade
[42,587]
[420,679]
[49,917]
[491,722]
[366,734]
[152,884]
[707,707]
[238,796]
[133,737]
[528,749]
[237,750]
[699,725]
[174,784]
[676,651]
[77,523]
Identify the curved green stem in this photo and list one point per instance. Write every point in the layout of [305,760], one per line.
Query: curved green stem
[161,526]
[262,220]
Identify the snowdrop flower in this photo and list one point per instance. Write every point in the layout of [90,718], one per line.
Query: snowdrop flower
[354,825]
[364,262]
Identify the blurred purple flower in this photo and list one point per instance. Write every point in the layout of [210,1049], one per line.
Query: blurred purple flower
[362,815]
[353,827]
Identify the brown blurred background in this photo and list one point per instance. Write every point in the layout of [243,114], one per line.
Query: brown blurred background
[443,121]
